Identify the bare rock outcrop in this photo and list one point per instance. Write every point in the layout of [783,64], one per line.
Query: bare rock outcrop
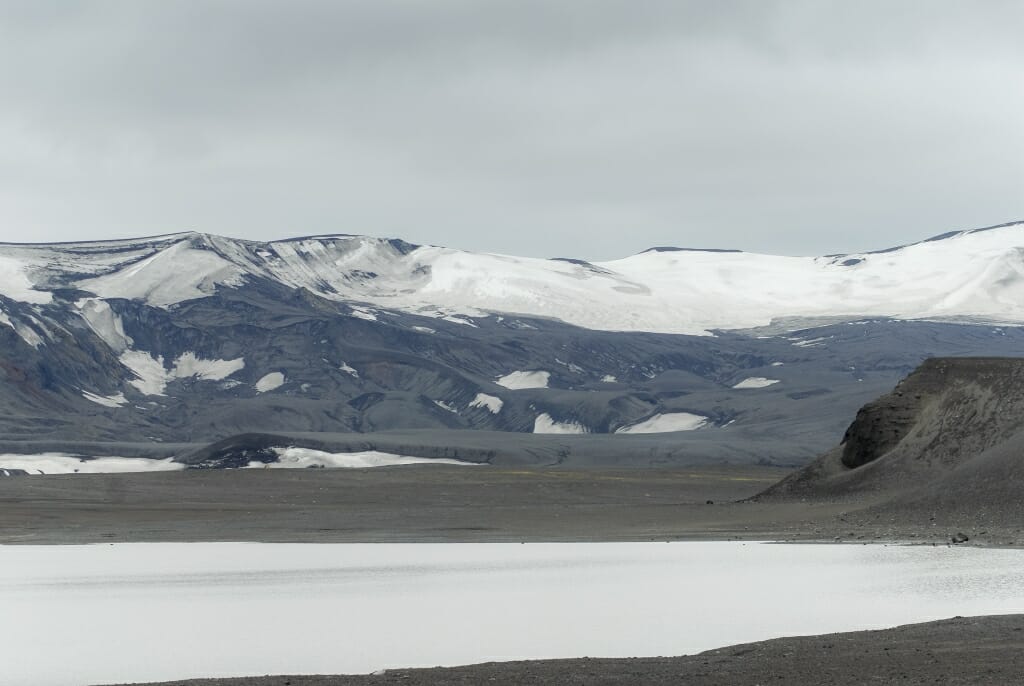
[952,432]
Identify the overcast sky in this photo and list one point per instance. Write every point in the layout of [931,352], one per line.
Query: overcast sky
[592,129]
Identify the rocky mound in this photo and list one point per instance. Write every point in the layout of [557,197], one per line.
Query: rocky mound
[948,440]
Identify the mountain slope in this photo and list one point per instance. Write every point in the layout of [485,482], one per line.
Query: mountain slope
[191,338]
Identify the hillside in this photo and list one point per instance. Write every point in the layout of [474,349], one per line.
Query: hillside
[946,445]
[192,338]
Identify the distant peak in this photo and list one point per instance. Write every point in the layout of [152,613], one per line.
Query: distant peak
[400,246]
[948,235]
[670,248]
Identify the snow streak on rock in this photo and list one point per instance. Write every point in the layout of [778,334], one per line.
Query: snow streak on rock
[544,424]
[520,380]
[304,458]
[489,402]
[664,423]
[270,382]
[756,382]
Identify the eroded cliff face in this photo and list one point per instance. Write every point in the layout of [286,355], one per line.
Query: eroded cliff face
[947,414]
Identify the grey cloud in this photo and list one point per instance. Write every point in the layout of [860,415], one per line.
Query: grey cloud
[592,129]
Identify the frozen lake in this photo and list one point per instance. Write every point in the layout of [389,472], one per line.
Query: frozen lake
[144,612]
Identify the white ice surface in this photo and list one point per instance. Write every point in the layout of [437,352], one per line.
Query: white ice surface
[664,423]
[270,382]
[544,424]
[77,615]
[756,382]
[303,458]
[520,380]
[60,463]
[492,403]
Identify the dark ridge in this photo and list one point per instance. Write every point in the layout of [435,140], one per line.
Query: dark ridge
[953,428]
[572,260]
[996,226]
[400,246]
[139,239]
[943,236]
[312,237]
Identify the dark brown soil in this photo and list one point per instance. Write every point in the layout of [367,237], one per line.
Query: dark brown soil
[981,650]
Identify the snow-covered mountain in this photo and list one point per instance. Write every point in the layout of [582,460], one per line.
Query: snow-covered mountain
[194,338]
[967,275]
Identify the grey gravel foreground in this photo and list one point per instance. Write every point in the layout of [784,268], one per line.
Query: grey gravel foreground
[974,650]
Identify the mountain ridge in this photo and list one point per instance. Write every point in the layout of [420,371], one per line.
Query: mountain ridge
[973,275]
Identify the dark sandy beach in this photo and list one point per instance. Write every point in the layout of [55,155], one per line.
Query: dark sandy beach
[441,503]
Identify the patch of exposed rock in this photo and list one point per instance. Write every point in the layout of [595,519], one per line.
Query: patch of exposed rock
[947,444]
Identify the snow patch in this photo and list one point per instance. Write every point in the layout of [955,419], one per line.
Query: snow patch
[152,377]
[609,378]
[104,323]
[15,284]
[349,370]
[521,380]
[423,329]
[756,382]
[116,400]
[304,458]
[61,463]
[544,424]
[665,423]
[446,406]
[28,334]
[189,365]
[270,382]
[488,402]
[777,364]
[167,277]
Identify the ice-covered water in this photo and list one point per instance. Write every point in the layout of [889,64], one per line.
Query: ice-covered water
[142,612]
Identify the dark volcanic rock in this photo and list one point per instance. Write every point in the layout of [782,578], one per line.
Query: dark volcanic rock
[947,443]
